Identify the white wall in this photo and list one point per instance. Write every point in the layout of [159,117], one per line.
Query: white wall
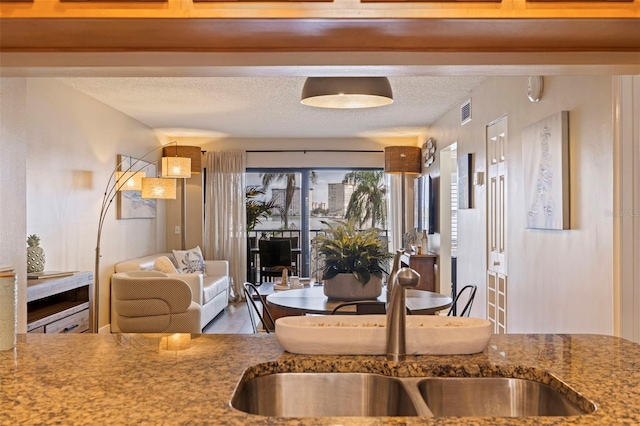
[558,281]
[73,141]
[13,151]
[275,159]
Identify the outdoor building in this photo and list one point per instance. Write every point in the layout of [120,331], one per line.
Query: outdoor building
[339,196]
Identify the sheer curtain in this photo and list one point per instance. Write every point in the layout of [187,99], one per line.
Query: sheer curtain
[394,212]
[225,216]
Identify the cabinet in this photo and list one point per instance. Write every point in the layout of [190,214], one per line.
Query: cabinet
[425,265]
[60,305]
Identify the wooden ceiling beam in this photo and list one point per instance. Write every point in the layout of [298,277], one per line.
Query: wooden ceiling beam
[318,35]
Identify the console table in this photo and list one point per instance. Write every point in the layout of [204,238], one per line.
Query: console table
[425,265]
[60,305]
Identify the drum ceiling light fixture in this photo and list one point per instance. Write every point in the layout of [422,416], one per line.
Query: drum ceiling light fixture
[346,92]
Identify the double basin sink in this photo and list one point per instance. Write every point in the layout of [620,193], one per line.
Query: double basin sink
[368,394]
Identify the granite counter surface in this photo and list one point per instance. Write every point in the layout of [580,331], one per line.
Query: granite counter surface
[87,379]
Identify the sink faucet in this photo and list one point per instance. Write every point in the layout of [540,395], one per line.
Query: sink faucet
[397,314]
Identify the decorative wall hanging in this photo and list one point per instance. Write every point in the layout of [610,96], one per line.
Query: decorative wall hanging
[428,152]
[465,187]
[545,153]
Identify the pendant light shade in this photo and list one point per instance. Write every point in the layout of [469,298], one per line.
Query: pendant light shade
[402,159]
[192,152]
[176,167]
[346,92]
[129,181]
[159,188]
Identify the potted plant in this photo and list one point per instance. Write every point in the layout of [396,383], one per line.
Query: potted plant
[354,261]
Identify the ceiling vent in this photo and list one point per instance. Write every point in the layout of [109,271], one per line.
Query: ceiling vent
[465,112]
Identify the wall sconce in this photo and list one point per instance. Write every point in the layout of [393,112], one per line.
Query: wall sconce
[478,178]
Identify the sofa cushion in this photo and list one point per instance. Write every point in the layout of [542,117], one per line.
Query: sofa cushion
[190,261]
[212,286]
[164,264]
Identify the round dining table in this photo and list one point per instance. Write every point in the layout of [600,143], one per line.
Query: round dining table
[311,300]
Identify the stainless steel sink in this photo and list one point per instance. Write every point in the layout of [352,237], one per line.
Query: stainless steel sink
[494,397]
[323,394]
[364,394]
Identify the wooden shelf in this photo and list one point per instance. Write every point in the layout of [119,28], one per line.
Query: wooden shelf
[60,304]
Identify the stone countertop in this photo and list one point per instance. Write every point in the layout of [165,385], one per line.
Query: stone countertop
[104,379]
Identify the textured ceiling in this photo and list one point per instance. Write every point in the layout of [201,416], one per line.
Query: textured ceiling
[269,107]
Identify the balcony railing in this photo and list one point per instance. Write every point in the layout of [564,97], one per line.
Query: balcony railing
[312,262]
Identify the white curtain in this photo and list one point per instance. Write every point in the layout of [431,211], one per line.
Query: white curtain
[394,211]
[225,214]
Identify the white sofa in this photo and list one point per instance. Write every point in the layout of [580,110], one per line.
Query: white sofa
[211,292]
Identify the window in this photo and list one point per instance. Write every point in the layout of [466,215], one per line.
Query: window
[301,202]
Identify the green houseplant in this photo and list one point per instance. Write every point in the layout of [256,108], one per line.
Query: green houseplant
[354,261]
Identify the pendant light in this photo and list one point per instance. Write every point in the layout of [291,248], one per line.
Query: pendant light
[346,92]
[160,188]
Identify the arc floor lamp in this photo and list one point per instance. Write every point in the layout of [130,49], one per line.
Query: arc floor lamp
[131,179]
[195,154]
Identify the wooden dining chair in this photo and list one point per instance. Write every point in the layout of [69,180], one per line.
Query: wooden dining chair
[274,256]
[471,289]
[251,294]
[363,307]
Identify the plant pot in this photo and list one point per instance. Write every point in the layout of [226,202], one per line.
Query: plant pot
[347,287]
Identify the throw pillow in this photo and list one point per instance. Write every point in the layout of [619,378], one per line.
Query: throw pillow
[164,264]
[190,261]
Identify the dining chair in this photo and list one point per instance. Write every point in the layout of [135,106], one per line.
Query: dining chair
[363,307]
[471,289]
[274,256]
[251,291]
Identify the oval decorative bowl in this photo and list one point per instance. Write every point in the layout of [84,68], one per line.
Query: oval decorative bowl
[366,334]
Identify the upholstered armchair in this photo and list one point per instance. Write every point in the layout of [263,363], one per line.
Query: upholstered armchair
[152,302]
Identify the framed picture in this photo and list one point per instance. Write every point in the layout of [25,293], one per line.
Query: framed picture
[465,184]
[130,204]
[545,153]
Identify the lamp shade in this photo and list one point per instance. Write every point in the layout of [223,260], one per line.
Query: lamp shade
[192,152]
[346,92]
[176,167]
[159,188]
[129,181]
[402,159]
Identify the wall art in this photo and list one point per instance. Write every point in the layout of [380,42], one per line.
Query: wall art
[545,153]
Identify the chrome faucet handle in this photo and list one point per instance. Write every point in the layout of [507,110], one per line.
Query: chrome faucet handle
[408,278]
[397,314]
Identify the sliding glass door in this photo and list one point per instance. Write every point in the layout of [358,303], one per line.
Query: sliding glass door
[301,203]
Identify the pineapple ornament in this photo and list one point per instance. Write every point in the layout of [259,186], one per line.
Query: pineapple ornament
[35,254]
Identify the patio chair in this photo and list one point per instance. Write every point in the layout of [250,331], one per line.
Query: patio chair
[275,256]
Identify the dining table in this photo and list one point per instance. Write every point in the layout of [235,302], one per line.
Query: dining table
[311,300]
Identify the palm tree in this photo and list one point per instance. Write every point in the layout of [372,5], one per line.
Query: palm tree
[367,201]
[290,179]
[257,209]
